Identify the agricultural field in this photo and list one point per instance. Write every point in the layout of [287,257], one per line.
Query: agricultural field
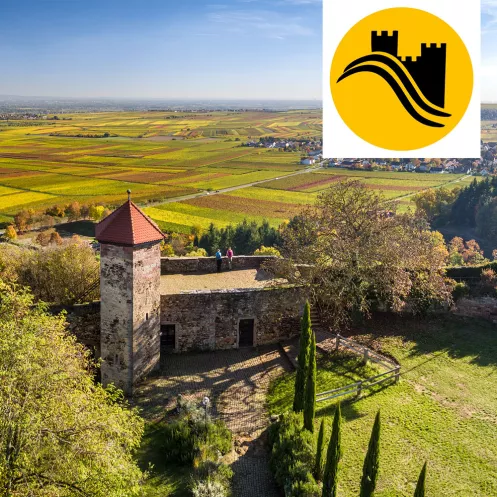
[171,160]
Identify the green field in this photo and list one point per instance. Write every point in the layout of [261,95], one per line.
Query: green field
[443,410]
[163,156]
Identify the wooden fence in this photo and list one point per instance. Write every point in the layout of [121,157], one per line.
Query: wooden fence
[391,375]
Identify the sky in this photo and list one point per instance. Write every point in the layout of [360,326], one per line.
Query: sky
[181,49]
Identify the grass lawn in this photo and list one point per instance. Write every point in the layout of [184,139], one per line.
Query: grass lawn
[444,410]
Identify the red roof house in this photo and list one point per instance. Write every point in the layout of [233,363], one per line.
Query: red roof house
[128,225]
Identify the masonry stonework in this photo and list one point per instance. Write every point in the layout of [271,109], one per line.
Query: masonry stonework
[209,320]
[132,309]
[130,328]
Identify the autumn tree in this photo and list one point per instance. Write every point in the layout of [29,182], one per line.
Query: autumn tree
[467,253]
[43,237]
[22,220]
[352,253]
[96,212]
[60,274]
[56,211]
[73,211]
[85,211]
[61,433]
[10,232]
[435,201]
[55,239]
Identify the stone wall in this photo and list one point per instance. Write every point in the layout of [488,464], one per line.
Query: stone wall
[483,308]
[179,265]
[208,320]
[83,321]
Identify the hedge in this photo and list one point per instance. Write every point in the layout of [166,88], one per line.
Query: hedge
[470,272]
[293,456]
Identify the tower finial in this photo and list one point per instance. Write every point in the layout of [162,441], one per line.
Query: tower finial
[129,195]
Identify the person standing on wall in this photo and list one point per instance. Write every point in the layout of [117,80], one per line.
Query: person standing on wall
[219,260]
[229,255]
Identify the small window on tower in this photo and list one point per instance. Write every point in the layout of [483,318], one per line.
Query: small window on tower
[146,316]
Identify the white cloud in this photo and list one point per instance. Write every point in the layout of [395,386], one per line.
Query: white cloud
[269,24]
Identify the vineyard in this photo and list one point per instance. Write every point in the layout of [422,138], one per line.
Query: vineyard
[163,157]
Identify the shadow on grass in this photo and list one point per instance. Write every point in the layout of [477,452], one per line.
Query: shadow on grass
[164,479]
[457,336]
[334,370]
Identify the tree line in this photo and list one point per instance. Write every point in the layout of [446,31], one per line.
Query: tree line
[244,238]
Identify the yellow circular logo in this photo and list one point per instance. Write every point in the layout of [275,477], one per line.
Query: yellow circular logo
[401,79]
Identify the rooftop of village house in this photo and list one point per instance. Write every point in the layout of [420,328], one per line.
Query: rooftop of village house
[243,279]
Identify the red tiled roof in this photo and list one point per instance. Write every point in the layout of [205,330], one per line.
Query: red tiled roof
[128,225]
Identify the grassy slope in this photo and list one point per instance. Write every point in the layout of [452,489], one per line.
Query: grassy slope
[443,411]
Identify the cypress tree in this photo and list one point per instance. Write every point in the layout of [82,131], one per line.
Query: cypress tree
[330,479]
[318,470]
[420,487]
[310,388]
[372,461]
[303,359]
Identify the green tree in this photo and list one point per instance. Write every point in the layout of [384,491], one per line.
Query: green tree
[61,433]
[420,487]
[320,459]
[333,456]
[303,359]
[310,387]
[372,461]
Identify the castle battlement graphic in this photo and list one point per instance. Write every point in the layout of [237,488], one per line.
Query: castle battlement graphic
[428,70]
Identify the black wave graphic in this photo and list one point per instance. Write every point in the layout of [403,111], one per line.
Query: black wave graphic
[396,88]
[377,57]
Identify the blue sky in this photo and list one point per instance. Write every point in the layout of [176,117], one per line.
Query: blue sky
[251,49]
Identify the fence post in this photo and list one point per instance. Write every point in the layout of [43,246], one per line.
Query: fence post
[397,374]
[359,389]
[337,342]
[366,355]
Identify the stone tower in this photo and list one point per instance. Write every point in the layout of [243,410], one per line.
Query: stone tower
[130,296]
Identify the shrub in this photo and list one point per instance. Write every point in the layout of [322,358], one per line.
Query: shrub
[194,435]
[292,456]
[197,252]
[10,233]
[208,488]
[460,290]
[166,250]
[488,282]
[267,251]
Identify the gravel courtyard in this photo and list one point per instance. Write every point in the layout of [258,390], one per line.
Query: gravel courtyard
[236,381]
